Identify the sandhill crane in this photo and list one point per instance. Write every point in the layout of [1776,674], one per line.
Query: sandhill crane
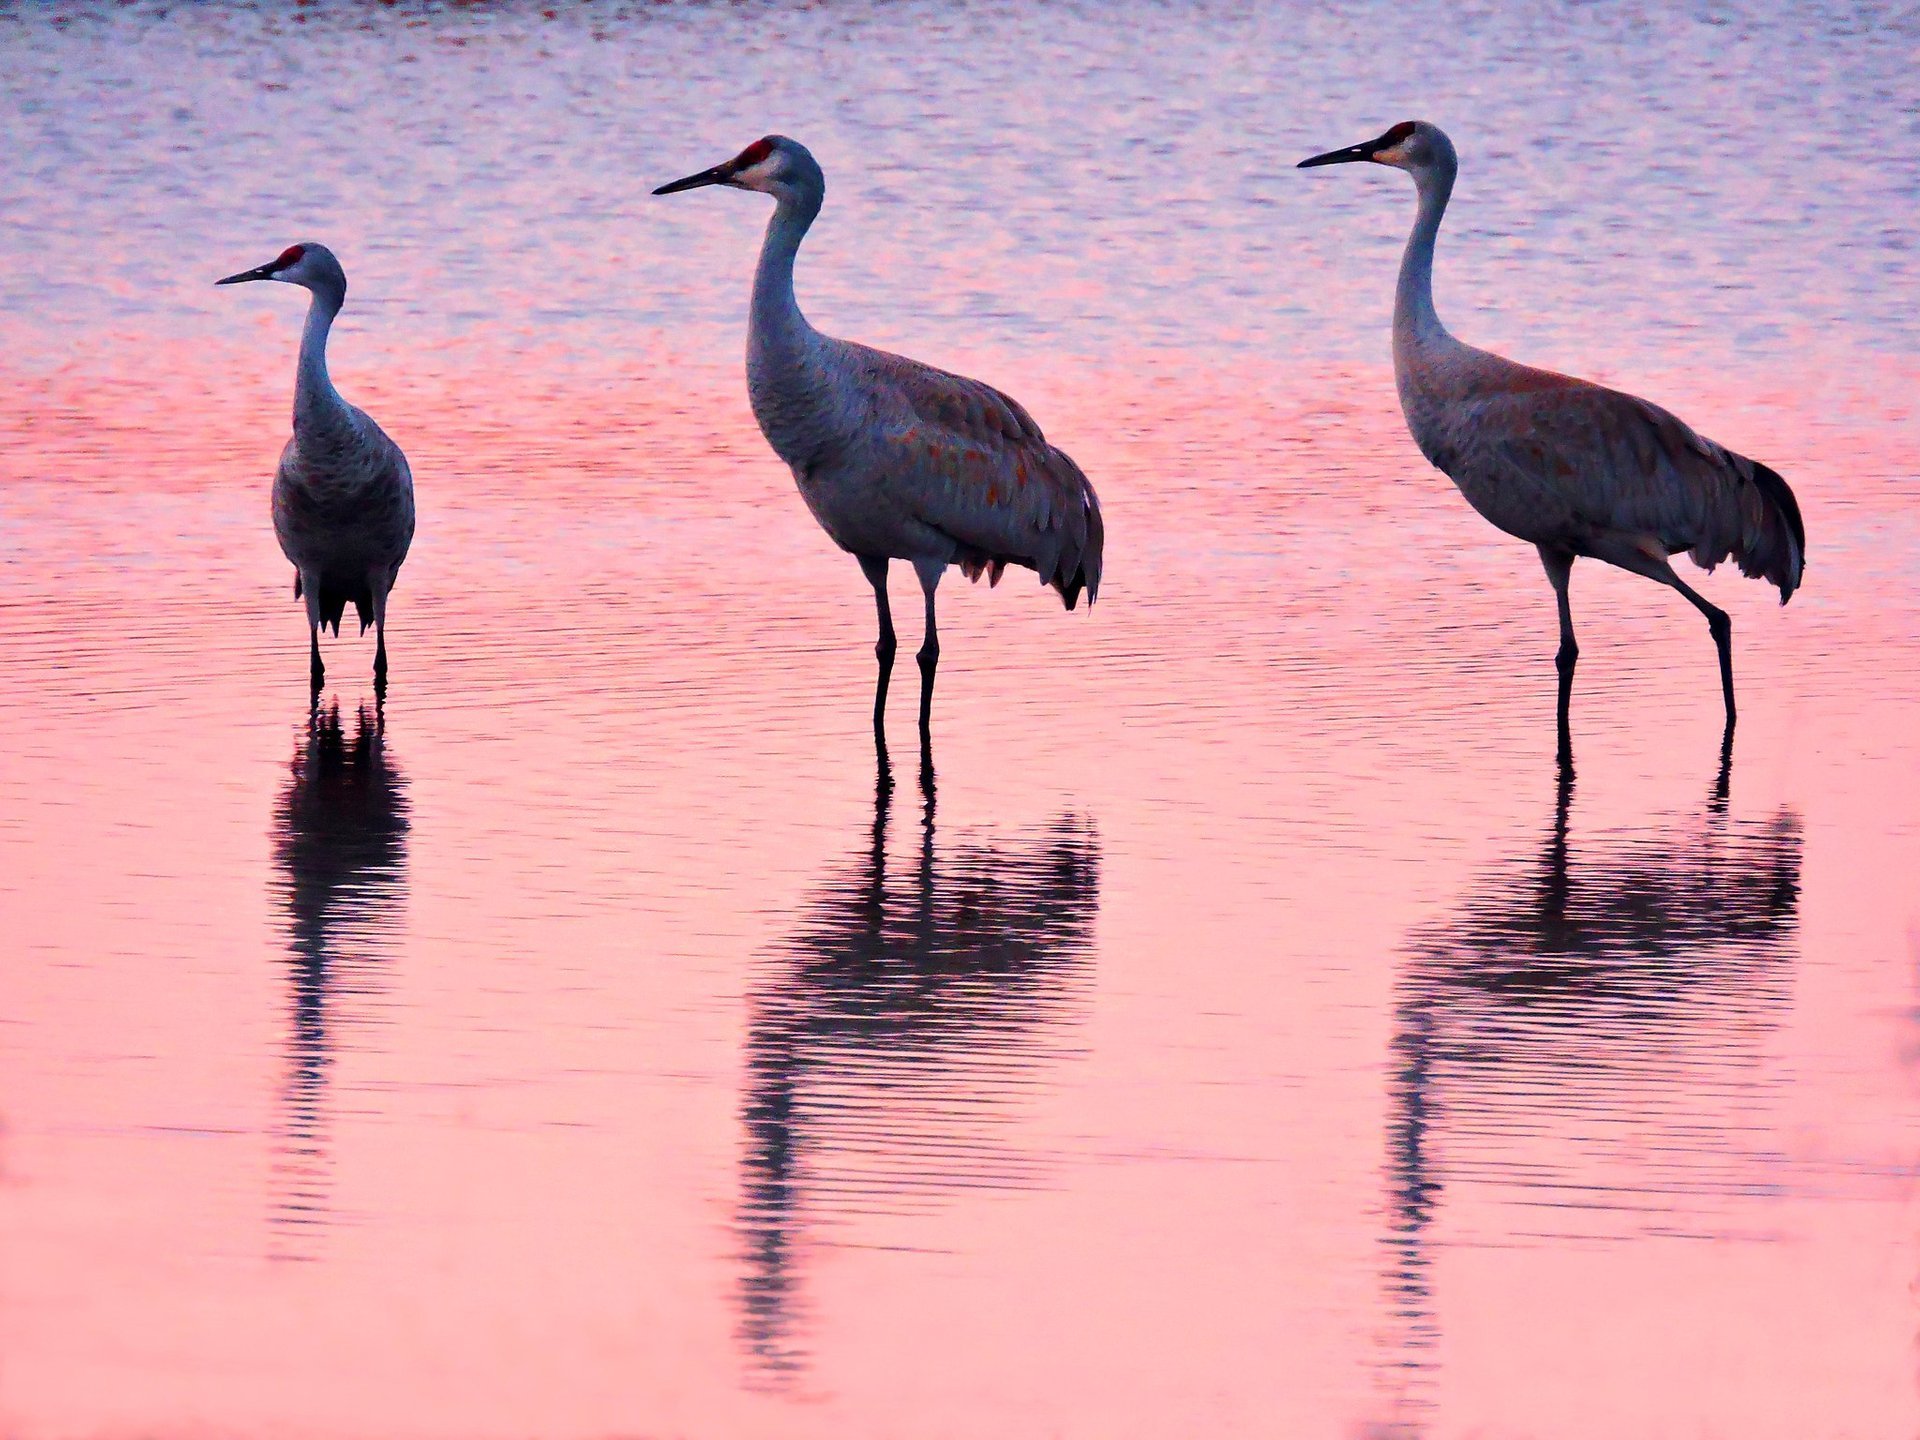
[343,495]
[1574,467]
[897,460]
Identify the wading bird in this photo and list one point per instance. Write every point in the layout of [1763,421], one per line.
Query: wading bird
[343,495]
[1574,467]
[897,460]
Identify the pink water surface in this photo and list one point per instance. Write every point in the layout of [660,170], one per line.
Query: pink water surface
[1240,1027]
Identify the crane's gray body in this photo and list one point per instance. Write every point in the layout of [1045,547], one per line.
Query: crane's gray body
[1564,462]
[901,461]
[343,512]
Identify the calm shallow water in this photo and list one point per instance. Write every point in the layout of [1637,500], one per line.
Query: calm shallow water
[1243,1029]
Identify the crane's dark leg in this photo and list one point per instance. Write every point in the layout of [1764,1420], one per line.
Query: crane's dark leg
[930,572]
[316,672]
[1559,565]
[1722,628]
[1629,555]
[874,567]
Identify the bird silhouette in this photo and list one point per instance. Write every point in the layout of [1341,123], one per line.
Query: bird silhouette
[1582,1035]
[340,862]
[891,1035]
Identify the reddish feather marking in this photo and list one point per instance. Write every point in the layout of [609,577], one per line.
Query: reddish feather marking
[289,256]
[753,154]
[1397,133]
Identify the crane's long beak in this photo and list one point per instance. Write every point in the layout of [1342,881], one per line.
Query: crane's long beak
[1344,156]
[259,272]
[718,175]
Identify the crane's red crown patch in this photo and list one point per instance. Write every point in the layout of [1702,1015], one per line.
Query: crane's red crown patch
[289,256]
[754,153]
[1397,133]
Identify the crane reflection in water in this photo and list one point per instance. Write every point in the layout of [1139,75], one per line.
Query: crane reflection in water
[1586,1036]
[892,1038]
[340,857]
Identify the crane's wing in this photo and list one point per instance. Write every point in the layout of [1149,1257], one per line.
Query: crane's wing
[971,463]
[1624,465]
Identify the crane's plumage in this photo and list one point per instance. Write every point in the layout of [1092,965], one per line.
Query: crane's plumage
[897,460]
[1574,467]
[970,464]
[343,492]
[1556,460]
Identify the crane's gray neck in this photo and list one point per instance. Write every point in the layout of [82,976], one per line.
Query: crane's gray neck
[315,401]
[1414,318]
[789,378]
[777,324]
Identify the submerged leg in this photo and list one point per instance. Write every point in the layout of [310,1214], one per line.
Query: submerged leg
[1630,556]
[929,572]
[875,569]
[381,586]
[1723,781]
[307,587]
[1559,566]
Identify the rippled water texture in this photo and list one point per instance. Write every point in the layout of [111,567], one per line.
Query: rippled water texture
[1242,1027]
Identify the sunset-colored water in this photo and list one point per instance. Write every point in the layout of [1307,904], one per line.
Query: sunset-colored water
[1241,1027]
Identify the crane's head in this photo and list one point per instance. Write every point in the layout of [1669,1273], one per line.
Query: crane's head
[308,265]
[1412,145]
[774,165]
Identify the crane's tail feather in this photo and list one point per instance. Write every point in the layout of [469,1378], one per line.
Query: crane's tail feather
[334,601]
[1760,529]
[1069,558]
[1784,510]
[1082,571]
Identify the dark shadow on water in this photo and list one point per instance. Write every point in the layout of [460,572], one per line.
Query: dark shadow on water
[923,995]
[1585,1038]
[339,857]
